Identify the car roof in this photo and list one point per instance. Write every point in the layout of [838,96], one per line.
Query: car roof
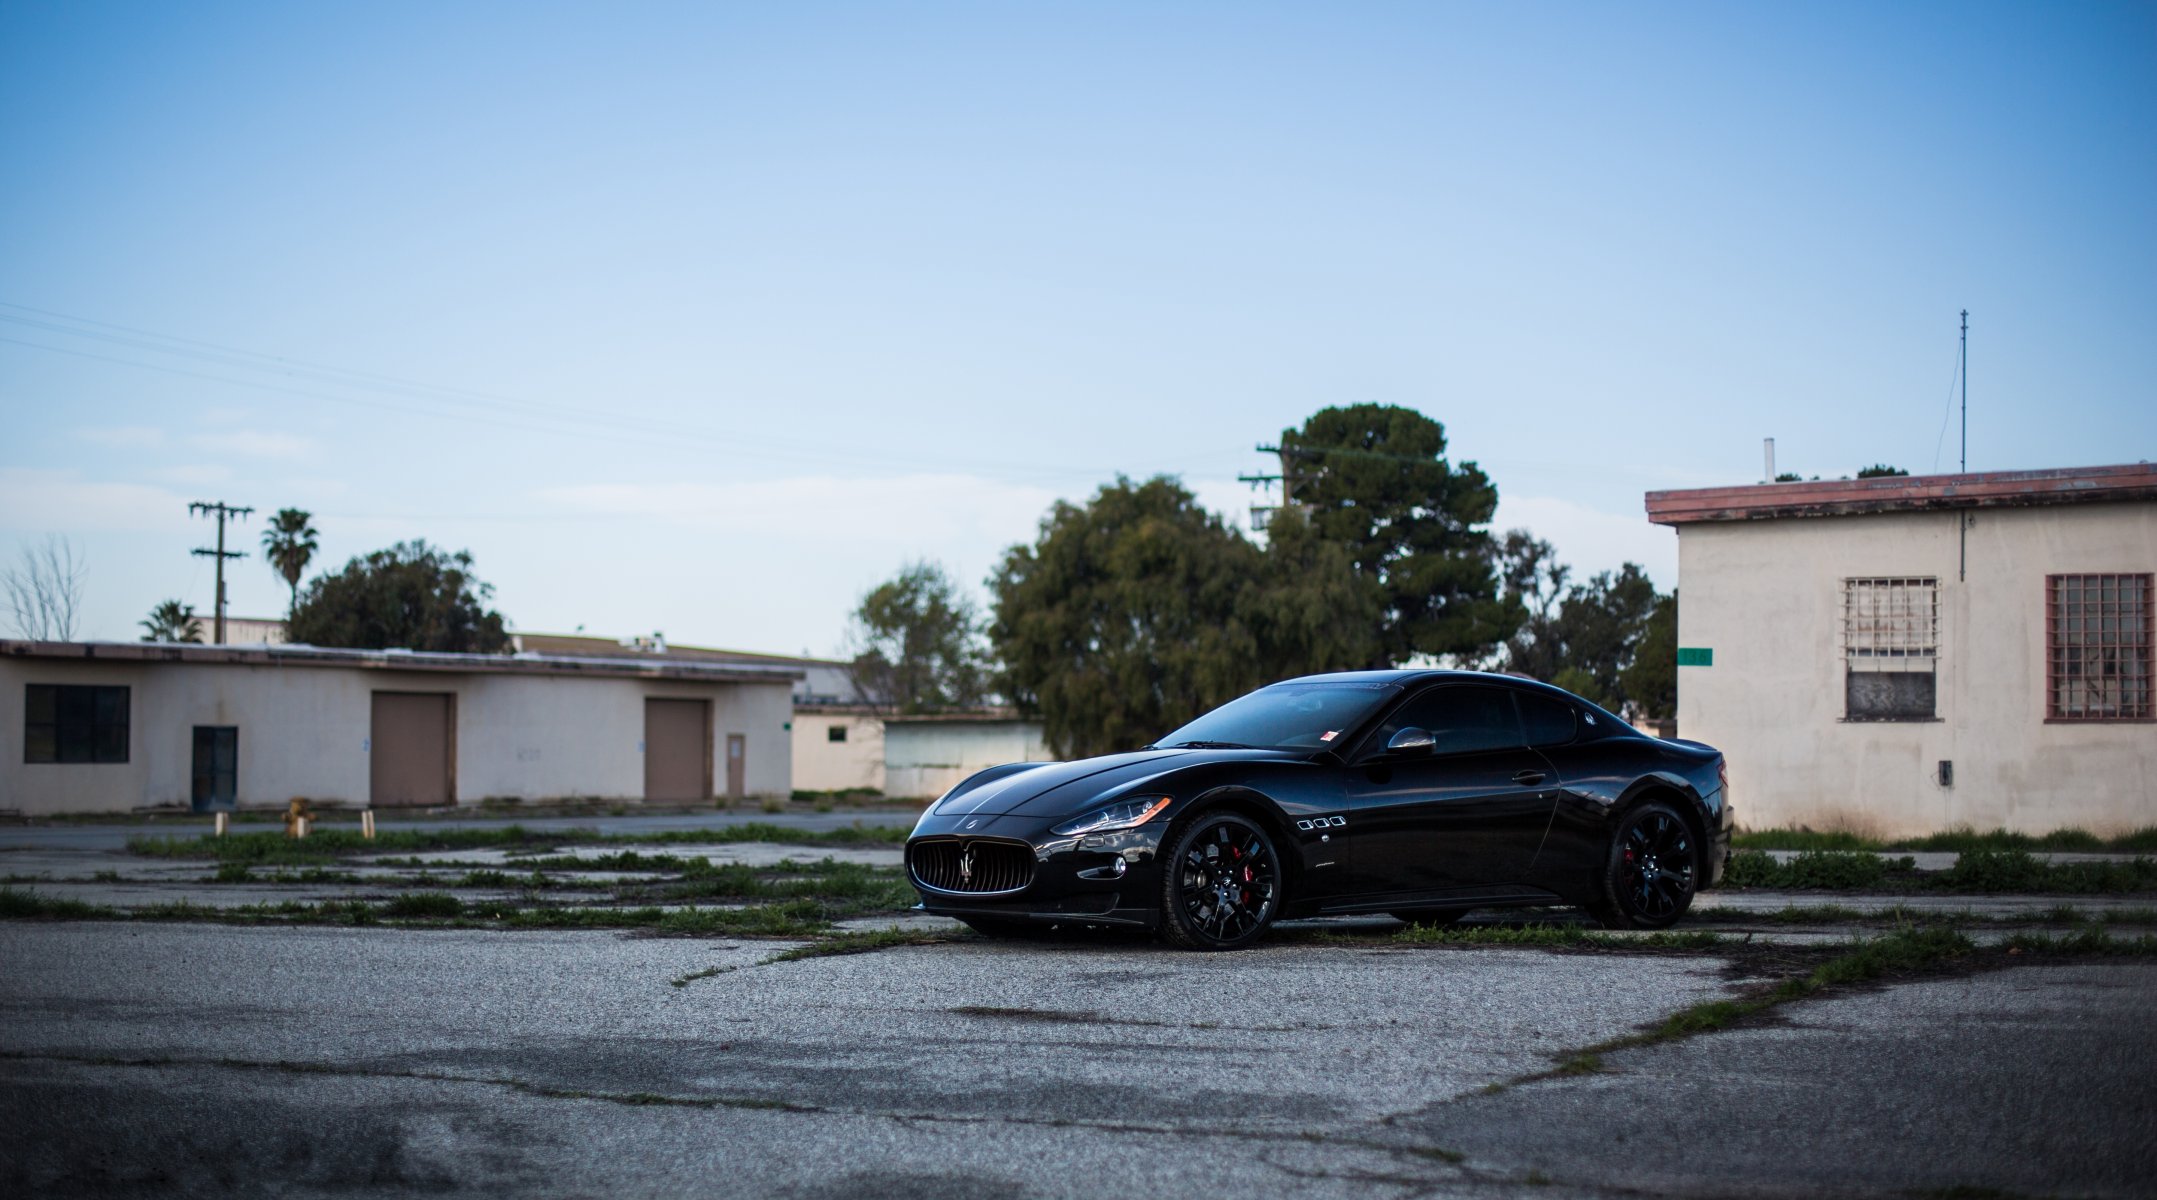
[1411,675]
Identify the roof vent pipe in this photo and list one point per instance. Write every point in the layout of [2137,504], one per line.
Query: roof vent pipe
[1767,451]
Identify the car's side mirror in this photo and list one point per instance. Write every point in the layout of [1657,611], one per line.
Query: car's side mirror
[1411,741]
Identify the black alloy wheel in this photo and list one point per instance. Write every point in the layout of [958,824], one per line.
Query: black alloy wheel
[1654,865]
[1220,884]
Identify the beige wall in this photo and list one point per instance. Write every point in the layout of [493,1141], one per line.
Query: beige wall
[923,759]
[303,732]
[1765,596]
[822,765]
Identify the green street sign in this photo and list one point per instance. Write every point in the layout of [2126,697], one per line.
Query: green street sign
[1696,656]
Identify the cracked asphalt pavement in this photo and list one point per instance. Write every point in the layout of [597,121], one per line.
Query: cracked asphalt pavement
[203,1059]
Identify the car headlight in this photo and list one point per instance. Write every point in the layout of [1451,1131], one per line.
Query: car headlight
[1125,814]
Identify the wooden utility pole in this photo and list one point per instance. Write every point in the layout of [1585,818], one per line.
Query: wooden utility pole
[222,510]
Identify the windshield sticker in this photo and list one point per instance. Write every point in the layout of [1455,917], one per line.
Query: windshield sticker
[1327,736]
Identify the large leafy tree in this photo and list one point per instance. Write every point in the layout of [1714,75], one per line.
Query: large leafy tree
[289,545]
[412,596]
[1651,678]
[172,621]
[1375,479]
[917,643]
[1138,610]
[1535,585]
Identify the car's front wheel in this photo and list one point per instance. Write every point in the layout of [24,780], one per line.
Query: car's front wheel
[1221,884]
[1652,869]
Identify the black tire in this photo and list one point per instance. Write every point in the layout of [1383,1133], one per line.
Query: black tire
[1221,883]
[1437,918]
[1651,870]
[1010,928]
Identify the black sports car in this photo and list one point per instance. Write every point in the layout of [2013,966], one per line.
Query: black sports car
[1423,794]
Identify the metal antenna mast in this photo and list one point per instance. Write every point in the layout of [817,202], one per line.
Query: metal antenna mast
[221,510]
[1962,520]
[1965,390]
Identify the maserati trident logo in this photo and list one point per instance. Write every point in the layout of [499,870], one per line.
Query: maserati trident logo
[966,865]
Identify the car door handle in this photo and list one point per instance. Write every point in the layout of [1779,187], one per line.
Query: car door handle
[1527,778]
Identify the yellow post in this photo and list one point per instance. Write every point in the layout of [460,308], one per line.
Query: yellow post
[367,824]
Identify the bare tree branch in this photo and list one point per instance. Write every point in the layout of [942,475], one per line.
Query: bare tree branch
[44,591]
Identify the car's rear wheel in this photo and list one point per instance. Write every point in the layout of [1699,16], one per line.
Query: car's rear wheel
[1651,872]
[1437,917]
[1220,884]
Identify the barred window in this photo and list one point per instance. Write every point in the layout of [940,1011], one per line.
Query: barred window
[2097,647]
[1891,648]
[74,723]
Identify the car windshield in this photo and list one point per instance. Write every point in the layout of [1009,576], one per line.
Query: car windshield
[1286,716]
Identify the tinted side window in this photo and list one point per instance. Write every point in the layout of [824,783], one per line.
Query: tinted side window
[1460,718]
[1548,722]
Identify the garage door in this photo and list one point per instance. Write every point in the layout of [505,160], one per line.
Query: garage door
[409,749]
[677,750]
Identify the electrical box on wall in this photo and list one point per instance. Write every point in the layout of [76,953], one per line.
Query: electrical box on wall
[1947,772]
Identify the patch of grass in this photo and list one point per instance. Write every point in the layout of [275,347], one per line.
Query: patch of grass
[1979,870]
[1904,952]
[424,904]
[233,872]
[28,903]
[2088,940]
[2140,841]
[861,942]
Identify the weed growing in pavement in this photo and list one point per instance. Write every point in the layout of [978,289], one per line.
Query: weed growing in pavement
[21,903]
[424,904]
[862,942]
[2088,940]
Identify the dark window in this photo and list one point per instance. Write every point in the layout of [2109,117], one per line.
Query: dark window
[66,723]
[1891,648]
[1547,720]
[1460,719]
[835,733]
[2097,647]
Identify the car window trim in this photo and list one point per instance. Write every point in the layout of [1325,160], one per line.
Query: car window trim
[1367,752]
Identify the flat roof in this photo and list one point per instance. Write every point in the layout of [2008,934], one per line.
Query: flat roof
[289,655]
[583,645]
[2127,482]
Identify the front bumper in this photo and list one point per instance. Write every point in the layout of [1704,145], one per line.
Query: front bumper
[1103,878]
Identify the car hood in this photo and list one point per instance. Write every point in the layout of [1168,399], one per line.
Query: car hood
[1052,789]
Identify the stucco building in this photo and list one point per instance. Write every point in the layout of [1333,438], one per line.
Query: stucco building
[1909,654]
[105,727]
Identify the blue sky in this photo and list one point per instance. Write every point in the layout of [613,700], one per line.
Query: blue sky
[722,313]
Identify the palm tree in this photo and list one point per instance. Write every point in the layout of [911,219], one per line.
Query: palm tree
[172,621]
[288,544]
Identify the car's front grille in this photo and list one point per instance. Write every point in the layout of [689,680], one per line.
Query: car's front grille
[973,865]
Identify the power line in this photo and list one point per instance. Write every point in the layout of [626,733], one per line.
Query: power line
[222,511]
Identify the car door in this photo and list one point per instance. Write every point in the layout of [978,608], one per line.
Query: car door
[1471,812]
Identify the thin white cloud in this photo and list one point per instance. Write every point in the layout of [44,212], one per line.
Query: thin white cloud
[123,436]
[254,443]
[902,513]
[34,500]
[193,475]
[1590,540]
